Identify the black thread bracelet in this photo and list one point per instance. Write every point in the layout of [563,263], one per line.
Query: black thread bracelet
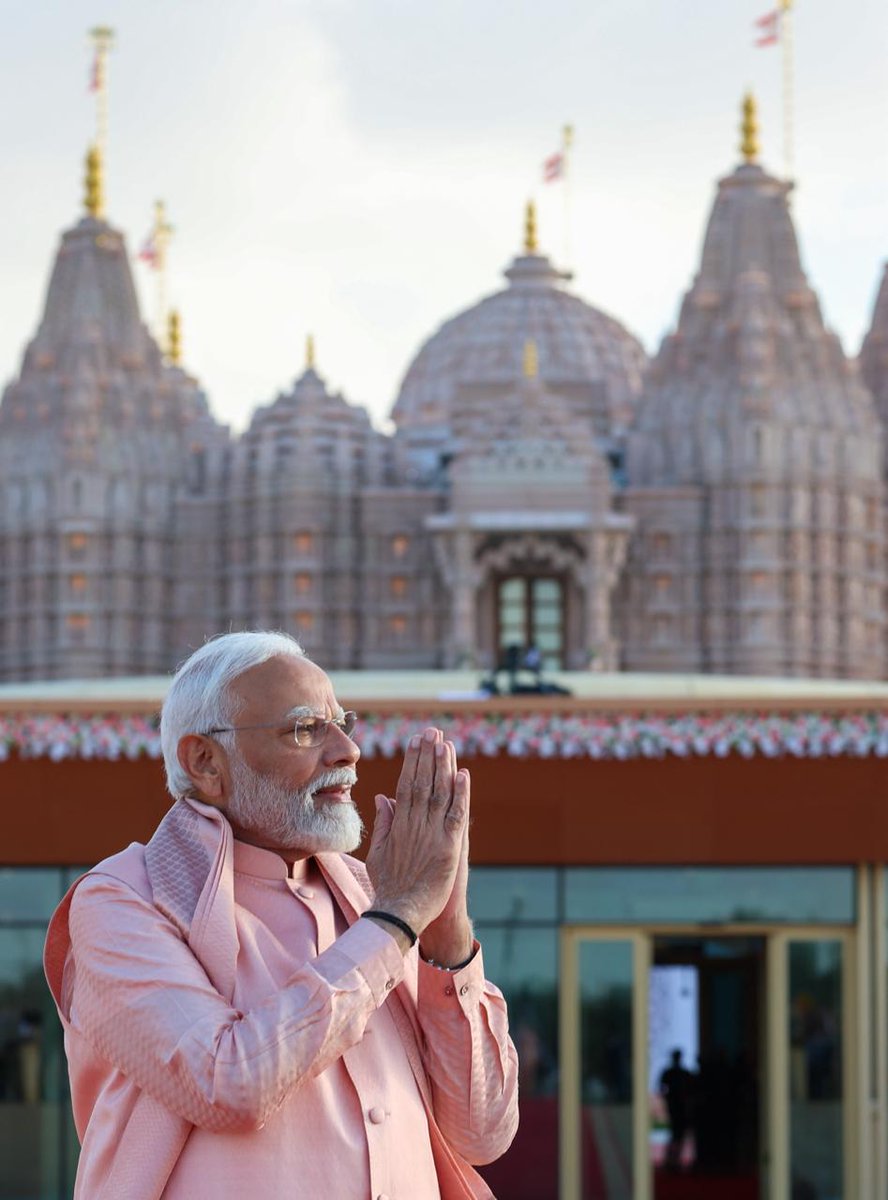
[392,920]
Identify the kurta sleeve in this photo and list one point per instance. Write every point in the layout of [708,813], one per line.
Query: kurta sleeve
[143,1001]
[470,1060]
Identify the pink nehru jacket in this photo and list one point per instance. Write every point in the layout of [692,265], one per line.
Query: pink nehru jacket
[232,1030]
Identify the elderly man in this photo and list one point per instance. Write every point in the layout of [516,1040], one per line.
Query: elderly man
[250,1012]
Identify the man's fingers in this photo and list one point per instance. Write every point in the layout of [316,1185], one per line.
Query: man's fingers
[468,789]
[424,779]
[452,750]
[408,771]
[385,812]
[443,789]
[458,813]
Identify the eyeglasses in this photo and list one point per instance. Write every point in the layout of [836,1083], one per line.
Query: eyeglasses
[307,731]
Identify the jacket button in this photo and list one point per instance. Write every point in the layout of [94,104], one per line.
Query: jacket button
[449,990]
[463,989]
[376,1115]
[305,892]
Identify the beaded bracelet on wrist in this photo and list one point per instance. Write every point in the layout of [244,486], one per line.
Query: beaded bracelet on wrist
[442,966]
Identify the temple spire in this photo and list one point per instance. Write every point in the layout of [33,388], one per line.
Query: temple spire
[93,190]
[174,338]
[749,145]
[531,245]
[310,352]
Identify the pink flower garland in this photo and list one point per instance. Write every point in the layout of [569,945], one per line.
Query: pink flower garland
[545,735]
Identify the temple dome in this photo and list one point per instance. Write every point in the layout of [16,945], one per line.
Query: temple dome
[311,434]
[585,355]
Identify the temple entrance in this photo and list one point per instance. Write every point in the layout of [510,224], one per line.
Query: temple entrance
[530,613]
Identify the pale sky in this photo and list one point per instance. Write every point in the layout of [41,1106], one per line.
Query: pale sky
[358,168]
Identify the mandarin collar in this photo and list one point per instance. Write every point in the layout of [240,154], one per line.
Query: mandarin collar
[266,864]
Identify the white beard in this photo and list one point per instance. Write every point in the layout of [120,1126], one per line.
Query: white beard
[291,820]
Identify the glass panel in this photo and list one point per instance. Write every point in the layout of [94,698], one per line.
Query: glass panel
[29,893]
[512,589]
[513,894]
[814,895]
[33,1099]
[524,964]
[606,978]
[547,618]
[549,609]
[815,1069]
[548,641]
[546,589]
[69,874]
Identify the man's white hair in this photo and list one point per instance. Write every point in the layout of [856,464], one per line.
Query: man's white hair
[201,698]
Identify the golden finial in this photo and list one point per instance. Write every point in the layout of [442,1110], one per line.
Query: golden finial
[531,245]
[567,136]
[310,352]
[749,146]
[531,360]
[93,197]
[174,337]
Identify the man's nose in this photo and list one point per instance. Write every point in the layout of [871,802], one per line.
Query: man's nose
[339,749]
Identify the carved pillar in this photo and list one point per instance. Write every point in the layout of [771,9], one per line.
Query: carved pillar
[607,553]
[461,651]
[453,556]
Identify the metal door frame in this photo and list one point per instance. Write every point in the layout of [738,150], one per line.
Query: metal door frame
[863,1163]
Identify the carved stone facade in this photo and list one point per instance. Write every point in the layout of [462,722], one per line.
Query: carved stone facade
[756,470]
[722,511]
[94,435]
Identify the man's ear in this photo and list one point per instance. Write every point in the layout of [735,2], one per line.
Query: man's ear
[206,764]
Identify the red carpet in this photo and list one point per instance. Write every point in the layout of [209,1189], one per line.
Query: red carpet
[704,1187]
[529,1169]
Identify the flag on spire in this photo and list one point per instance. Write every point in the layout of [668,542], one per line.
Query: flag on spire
[149,252]
[95,72]
[768,28]
[553,167]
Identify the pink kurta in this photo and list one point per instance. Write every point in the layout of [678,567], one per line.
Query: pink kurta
[333,1067]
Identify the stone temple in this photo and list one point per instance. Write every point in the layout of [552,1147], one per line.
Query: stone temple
[719,509]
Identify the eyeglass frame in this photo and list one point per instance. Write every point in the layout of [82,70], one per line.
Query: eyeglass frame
[345,723]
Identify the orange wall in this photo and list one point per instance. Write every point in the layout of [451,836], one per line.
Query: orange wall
[705,810]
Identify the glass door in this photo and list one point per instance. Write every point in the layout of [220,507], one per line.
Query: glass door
[603,1035]
[811,1087]
[810,1136]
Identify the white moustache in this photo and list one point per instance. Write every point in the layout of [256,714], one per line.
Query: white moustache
[338,777]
